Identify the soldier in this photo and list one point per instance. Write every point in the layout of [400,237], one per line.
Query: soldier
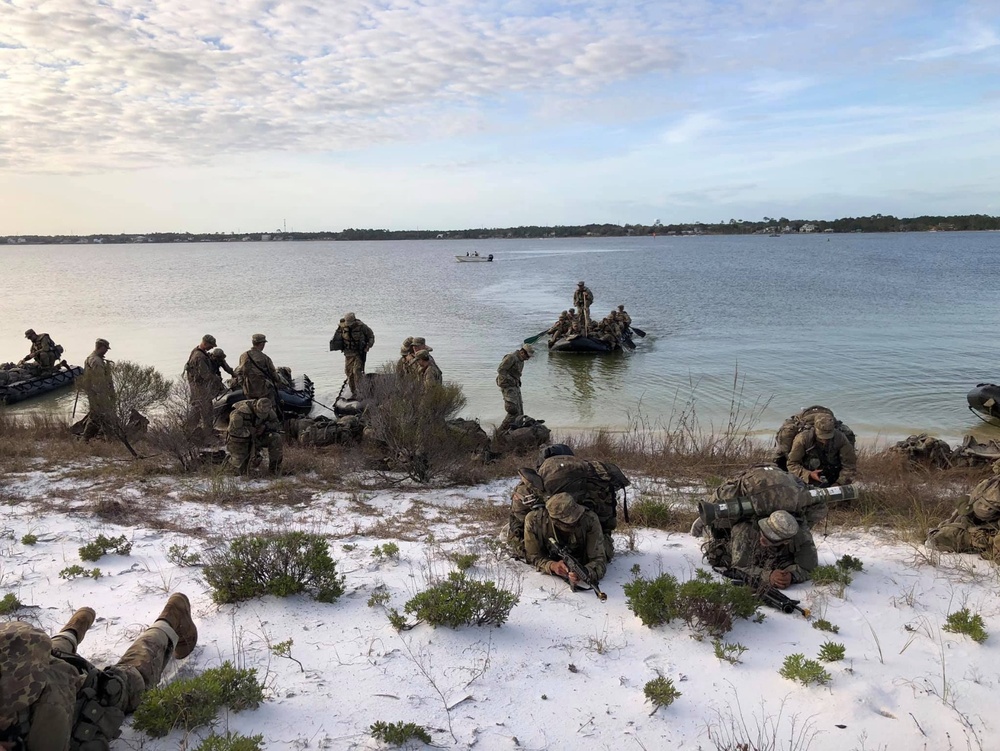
[254,426]
[53,699]
[822,455]
[256,372]
[218,363]
[405,357]
[357,339]
[582,299]
[560,328]
[44,351]
[509,381]
[201,376]
[626,319]
[99,387]
[774,550]
[573,527]
[974,525]
[426,368]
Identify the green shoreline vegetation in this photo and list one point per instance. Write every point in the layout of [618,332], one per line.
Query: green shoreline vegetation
[765,226]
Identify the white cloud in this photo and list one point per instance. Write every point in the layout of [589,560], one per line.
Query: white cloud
[691,128]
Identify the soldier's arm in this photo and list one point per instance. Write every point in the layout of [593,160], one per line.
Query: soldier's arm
[796,457]
[848,462]
[597,557]
[806,557]
[536,551]
[743,544]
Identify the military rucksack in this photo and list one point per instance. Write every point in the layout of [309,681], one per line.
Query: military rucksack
[769,489]
[804,420]
[923,449]
[984,499]
[592,484]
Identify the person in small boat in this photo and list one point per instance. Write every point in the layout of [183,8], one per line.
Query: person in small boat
[608,331]
[822,455]
[509,381]
[574,321]
[44,351]
[200,377]
[98,384]
[560,328]
[583,298]
[256,372]
[626,319]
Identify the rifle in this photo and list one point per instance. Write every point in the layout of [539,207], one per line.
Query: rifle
[767,594]
[575,568]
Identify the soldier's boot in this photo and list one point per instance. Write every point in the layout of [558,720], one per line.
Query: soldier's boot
[76,628]
[177,615]
[274,467]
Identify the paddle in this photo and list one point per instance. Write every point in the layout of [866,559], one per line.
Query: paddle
[536,337]
[638,332]
[628,344]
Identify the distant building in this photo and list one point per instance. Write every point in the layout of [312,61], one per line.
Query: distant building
[807,228]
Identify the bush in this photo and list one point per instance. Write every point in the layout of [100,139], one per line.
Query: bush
[964,622]
[179,556]
[463,561]
[71,572]
[276,563]
[10,604]
[652,512]
[731,653]
[850,563]
[797,668]
[192,703]
[661,692]
[231,742]
[822,624]
[398,733]
[707,606]
[461,601]
[831,652]
[29,539]
[831,575]
[386,551]
[94,551]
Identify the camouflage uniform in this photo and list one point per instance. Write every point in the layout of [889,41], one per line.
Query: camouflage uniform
[560,329]
[974,525]
[201,379]
[835,457]
[744,552]
[53,700]
[357,339]
[405,357]
[98,385]
[43,352]
[249,432]
[426,368]
[257,373]
[582,299]
[509,381]
[217,361]
[626,319]
[584,539]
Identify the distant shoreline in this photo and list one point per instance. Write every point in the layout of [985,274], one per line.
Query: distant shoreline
[774,227]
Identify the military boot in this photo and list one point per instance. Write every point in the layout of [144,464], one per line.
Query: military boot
[80,623]
[274,468]
[177,614]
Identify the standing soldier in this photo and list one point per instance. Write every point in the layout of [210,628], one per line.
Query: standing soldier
[356,340]
[253,426]
[405,357]
[509,381]
[53,699]
[44,351]
[218,363]
[256,372]
[426,369]
[201,379]
[582,299]
[99,387]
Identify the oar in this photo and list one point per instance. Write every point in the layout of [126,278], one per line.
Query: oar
[637,331]
[536,337]
[628,344]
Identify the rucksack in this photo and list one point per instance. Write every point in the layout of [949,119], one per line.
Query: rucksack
[923,449]
[804,420]
[769,489]
[592,484]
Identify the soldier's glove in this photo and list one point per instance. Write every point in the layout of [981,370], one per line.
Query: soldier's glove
[780,579]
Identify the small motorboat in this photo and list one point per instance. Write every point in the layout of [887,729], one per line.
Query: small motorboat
[295,401]
[37,385]
[475,258]
[985,399]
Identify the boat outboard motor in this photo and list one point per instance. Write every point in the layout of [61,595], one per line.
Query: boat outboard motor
[727,513]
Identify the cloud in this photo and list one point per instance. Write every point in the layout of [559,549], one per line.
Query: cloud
[976,38]
[691,128]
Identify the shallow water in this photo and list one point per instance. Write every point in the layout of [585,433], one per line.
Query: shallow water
[889,330]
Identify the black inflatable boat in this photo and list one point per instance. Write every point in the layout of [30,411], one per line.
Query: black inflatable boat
[21,390]
[294,402]
[584,345]
[985,399]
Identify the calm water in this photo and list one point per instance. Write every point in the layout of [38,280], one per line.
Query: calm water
[888,330]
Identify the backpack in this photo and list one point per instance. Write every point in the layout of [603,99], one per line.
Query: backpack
[594,485]
[800,421]
[769,489]
[923,449]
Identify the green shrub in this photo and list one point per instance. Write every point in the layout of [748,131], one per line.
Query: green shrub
[822,624]
[463,561]
[278,563]
[850,563]
[179,556]
[94,551]
[797,668]
[460,601]
[348,547]
[398,733]
[831,575]
[231,742]
[386,551]
[831,652]
[653,601]
[731,653]
[397,620]
[379,596]
[652,512]
[661,692]
[964,622]
[192,703]
[10,604]
[71,572]
[29,539]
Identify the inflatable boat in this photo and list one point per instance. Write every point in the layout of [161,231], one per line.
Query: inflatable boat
[985,399]
[294,402]
[29,387]
[586,345]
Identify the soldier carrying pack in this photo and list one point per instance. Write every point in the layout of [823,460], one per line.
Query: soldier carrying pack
[797,423]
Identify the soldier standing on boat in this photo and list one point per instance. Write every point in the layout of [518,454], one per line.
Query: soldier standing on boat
[256,372]
[355,340]
[201,377]
[44,351]
[509,381]
[99,387]
[582,299]
[218,363]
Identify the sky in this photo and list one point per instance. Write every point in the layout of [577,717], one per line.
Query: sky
[251,115]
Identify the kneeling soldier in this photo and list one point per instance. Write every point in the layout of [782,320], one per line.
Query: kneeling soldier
[254,426]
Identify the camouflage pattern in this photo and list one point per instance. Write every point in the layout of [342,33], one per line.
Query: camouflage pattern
[974,525]
[625,318]
[741,549]
[24,657]
[201,377]
[426,368]
[560,328]
[257,375]
[525,498]
[584,539]
[98,384]
[43,352]
[583,298]
[836,458]
[249,433]
[509,381]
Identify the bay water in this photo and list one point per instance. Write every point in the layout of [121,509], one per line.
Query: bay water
[889,330]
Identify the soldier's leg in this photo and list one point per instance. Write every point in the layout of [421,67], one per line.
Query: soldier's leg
[69,638]
[511,405]
[350,373]
[275,453]
[239,455]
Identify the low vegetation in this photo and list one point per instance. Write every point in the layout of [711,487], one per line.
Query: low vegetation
[661,692]
[460,600]
[9,604]
[807,672]
[100,547]
[965,622]
[399,733]
[831,651]
[231,742]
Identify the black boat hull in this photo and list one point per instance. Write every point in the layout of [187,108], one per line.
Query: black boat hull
[581,344]
[18,392]
[296,402]
[985,399]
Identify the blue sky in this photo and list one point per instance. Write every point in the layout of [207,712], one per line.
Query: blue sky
[187,115]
